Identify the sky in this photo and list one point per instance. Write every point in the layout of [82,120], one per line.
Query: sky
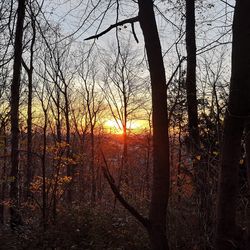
[213,19]
[213,28]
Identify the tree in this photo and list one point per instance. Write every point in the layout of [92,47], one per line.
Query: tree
[29,70]
[191,78]
[160,192]
[15,218]
[45,99]
[156,224]
[229,236]
[3,148]
[124,84]
[192,108]
[57,68]
[93,103]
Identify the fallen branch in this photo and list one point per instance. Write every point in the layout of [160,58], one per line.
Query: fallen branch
[144,221]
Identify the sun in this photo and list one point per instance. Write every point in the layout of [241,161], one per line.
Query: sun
[115,126]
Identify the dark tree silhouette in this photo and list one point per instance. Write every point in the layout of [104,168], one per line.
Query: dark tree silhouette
[15,218]
[29,70]
[160,192]
[191,77]
[229,235]
[192,108]
[156,224]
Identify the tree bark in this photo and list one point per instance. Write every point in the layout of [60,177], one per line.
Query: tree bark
[228,234]
[15,218]
[191,76]
[160,191]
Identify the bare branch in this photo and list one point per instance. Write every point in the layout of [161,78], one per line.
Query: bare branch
[175,71]
[129,20]
[228,4]
[144,221]
[133,31]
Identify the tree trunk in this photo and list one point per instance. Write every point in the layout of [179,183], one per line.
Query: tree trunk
[92,165]
[68,152]
[4,170]
[228,235]
[125,170]
[160,191]
[194,137]
[29,111]
[247,143]
[124,165]
[29,135]
[59,140]
[228,184]
[44,193]
[15,218]
[58,116]
[191,76]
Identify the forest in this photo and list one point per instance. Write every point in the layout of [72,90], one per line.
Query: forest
[124,124]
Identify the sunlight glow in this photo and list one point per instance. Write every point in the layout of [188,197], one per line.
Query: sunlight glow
[116,126]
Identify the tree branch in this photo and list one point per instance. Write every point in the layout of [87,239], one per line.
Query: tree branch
[225,2]
[175,71]
[129,20]
[144,221]
[133,31]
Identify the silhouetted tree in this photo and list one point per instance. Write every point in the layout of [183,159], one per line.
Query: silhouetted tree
[229,235]
[156,224]
[29,70]
[15,218]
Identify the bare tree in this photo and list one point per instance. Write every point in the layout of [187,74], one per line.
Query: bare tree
[15,218]
[93,102]
[156,224]
[124,84]
[29,70]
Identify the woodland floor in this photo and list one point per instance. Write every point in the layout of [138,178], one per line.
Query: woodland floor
[90,229]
